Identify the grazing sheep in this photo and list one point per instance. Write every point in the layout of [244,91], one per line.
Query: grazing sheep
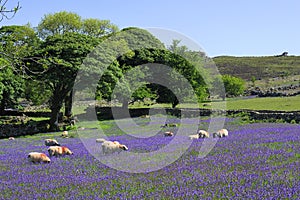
[109,147]
[203,134]
[38,157]
[51,142]
[168,134]
[221,133]
[11,138]
[169,125]
[65,134]
[59,151]
[100,140]
[194,137]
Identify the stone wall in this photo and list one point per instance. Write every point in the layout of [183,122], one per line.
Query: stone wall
[23,127]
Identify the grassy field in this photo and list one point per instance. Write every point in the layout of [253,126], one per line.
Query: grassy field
[271,103]
[267,103]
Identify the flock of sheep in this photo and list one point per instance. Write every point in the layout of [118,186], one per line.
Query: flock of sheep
[54,149]
[204,134]
[108,147]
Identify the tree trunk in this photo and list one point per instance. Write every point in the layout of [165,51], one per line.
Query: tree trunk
[175,103]
[125,104]
[3,103]
[54,118]
[56,105]
[68,104]
[2,107]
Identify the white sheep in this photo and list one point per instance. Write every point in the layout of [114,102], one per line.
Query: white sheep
[168,134]
[65,134]
[59,151]
[11,138]
[203,134]
[109,147]
[51,142]
[221,133]
[38,157]
[100,140]
[194,137]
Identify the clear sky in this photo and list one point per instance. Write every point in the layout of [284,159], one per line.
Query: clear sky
[220,27]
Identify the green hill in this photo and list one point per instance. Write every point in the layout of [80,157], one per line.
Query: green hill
[259,67]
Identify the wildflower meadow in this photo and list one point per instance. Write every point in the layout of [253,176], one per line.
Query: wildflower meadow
[256,161]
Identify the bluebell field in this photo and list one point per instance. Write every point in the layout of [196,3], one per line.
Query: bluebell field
[256,161]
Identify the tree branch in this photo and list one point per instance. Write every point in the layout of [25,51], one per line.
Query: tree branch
[4,12]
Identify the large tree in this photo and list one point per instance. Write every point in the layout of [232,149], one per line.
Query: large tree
[148,57]
[60,57]
[68,22]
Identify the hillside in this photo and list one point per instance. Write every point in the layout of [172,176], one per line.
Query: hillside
[258,67]
[265,76]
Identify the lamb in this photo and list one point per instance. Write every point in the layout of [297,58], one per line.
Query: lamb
[109,147]
[168,134]
[221,133]
[38,157]
[51,142]
[11,138]
[203,134]
[194,137]
[59,151]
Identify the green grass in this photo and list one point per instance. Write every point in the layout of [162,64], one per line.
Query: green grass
[266,103]
[271,103]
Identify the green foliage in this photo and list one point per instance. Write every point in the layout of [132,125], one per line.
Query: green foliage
[137,38]
[61,57]
[37,92]
[17,43]
[98,28]
[63,22]
[11,88]
[59,23]
[234,86]
[165,57]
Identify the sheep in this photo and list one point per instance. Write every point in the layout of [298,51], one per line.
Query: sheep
[169,125]
[221,133]
[203,134]
[11,138]
[109,147]
[168,134]
[194,137]
[51,142]
[100,140]
[38,157]
[59,151]
[65,134]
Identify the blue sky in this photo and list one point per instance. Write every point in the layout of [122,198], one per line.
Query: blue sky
[224,27]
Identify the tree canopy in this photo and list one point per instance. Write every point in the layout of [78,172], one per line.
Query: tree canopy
[60,58]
